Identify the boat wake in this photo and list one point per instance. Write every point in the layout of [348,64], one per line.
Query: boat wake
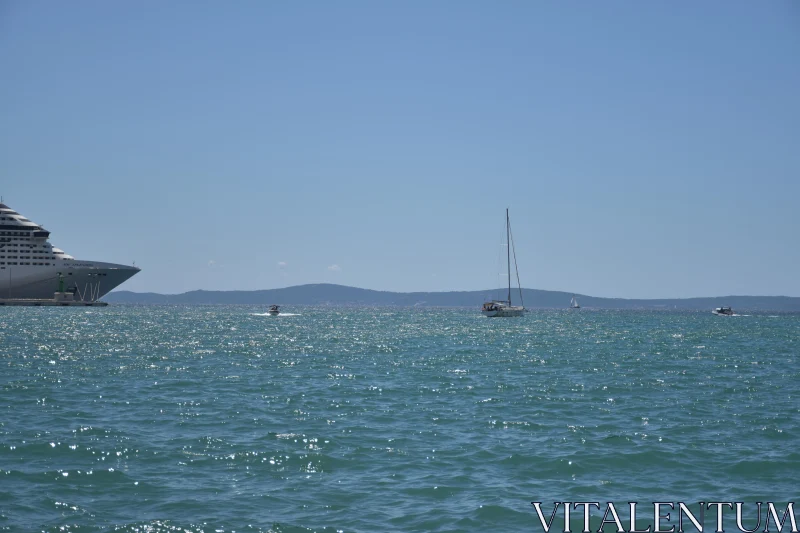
[280,315]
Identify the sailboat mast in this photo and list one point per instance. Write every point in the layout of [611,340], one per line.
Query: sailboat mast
[508,254]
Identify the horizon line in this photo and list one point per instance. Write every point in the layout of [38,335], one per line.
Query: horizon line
[575,294]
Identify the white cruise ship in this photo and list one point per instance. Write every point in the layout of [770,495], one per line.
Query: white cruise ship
[31,267]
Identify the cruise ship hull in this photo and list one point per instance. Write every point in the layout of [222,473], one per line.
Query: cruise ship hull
[33,269]
[89,280]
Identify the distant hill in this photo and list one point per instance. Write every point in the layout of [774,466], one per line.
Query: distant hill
[328,294]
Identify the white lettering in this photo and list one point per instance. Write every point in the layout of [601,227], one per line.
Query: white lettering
[610,508]
[545,525]
[586,506]
[774,514]
[683,509]
[633,520]
[719,505]
[657,516]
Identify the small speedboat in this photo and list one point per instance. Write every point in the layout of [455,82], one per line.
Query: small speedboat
[274,310]
[726,311]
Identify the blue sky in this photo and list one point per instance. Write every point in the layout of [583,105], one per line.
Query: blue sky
[645,149]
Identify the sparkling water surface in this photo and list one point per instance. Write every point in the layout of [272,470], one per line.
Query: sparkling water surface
[223,419]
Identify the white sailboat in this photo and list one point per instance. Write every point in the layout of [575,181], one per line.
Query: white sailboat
[573,304]
[504,308]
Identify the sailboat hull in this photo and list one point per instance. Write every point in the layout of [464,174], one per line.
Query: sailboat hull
[504,312]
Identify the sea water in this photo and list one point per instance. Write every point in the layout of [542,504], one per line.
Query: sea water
[223,419]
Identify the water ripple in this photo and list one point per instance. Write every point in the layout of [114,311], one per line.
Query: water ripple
[218,418]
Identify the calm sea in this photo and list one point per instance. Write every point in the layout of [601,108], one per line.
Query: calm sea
[223,419]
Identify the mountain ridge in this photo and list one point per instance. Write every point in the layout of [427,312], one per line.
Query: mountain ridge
[331,294]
